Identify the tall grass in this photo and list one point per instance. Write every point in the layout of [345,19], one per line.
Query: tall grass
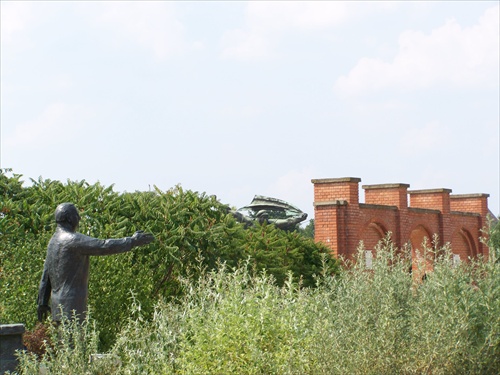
[378,321]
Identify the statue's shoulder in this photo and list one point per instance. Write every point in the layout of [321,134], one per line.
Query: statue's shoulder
[62,235]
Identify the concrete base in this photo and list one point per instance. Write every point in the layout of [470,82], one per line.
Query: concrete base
[11,339]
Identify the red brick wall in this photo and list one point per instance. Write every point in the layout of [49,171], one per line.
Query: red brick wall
[461,244]
[467,227]
[377,219]
[341,221]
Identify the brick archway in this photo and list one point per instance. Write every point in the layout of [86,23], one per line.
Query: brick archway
[422,261]
[372,234]
[463,244]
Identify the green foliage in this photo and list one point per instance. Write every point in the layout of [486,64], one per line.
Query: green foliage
[281,252]
[308,231]
[494,240]
[211,297]
[379,321]
[186,225]
[71,349]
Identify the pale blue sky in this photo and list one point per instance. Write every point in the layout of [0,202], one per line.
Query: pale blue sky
[244,98]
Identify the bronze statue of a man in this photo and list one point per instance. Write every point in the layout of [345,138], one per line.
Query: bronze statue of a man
[66,270]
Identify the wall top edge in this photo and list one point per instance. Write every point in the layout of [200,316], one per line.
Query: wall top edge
[423,210]
[385,186]
[429,191]
[335,180]
[338,202]
[378,206]
[461,213]
[465,196]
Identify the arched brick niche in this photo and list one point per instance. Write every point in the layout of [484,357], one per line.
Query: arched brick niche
[421,250]
[464,245]
[420,239]
[372,234]
[342,221]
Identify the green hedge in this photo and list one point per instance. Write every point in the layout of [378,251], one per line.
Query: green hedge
[188,226]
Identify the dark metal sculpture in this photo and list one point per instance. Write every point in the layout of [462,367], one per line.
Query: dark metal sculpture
[270,210]
[66,270]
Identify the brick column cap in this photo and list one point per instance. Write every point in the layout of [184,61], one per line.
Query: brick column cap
[336,180]
[429,191]
[11,329]
[338,202]
[385,186]
[466,196]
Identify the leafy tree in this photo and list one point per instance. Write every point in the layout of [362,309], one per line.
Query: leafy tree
[494,240]
[308,231]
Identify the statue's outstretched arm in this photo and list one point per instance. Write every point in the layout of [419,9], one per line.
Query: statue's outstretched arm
[93,246]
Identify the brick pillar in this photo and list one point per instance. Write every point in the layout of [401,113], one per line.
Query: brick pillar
[435,199]
[336,214]
[475,203]
[391,195]
[387,195]
[328,225]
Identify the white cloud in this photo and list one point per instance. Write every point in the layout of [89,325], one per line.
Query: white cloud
[266,22]
[239,111]
[57,123]
[450,55]
[16,16]
[416,141]
[151,24]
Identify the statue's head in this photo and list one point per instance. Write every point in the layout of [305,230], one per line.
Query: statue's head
[67,214]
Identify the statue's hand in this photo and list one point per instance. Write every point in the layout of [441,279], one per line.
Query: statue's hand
[43,312]
[140,238]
